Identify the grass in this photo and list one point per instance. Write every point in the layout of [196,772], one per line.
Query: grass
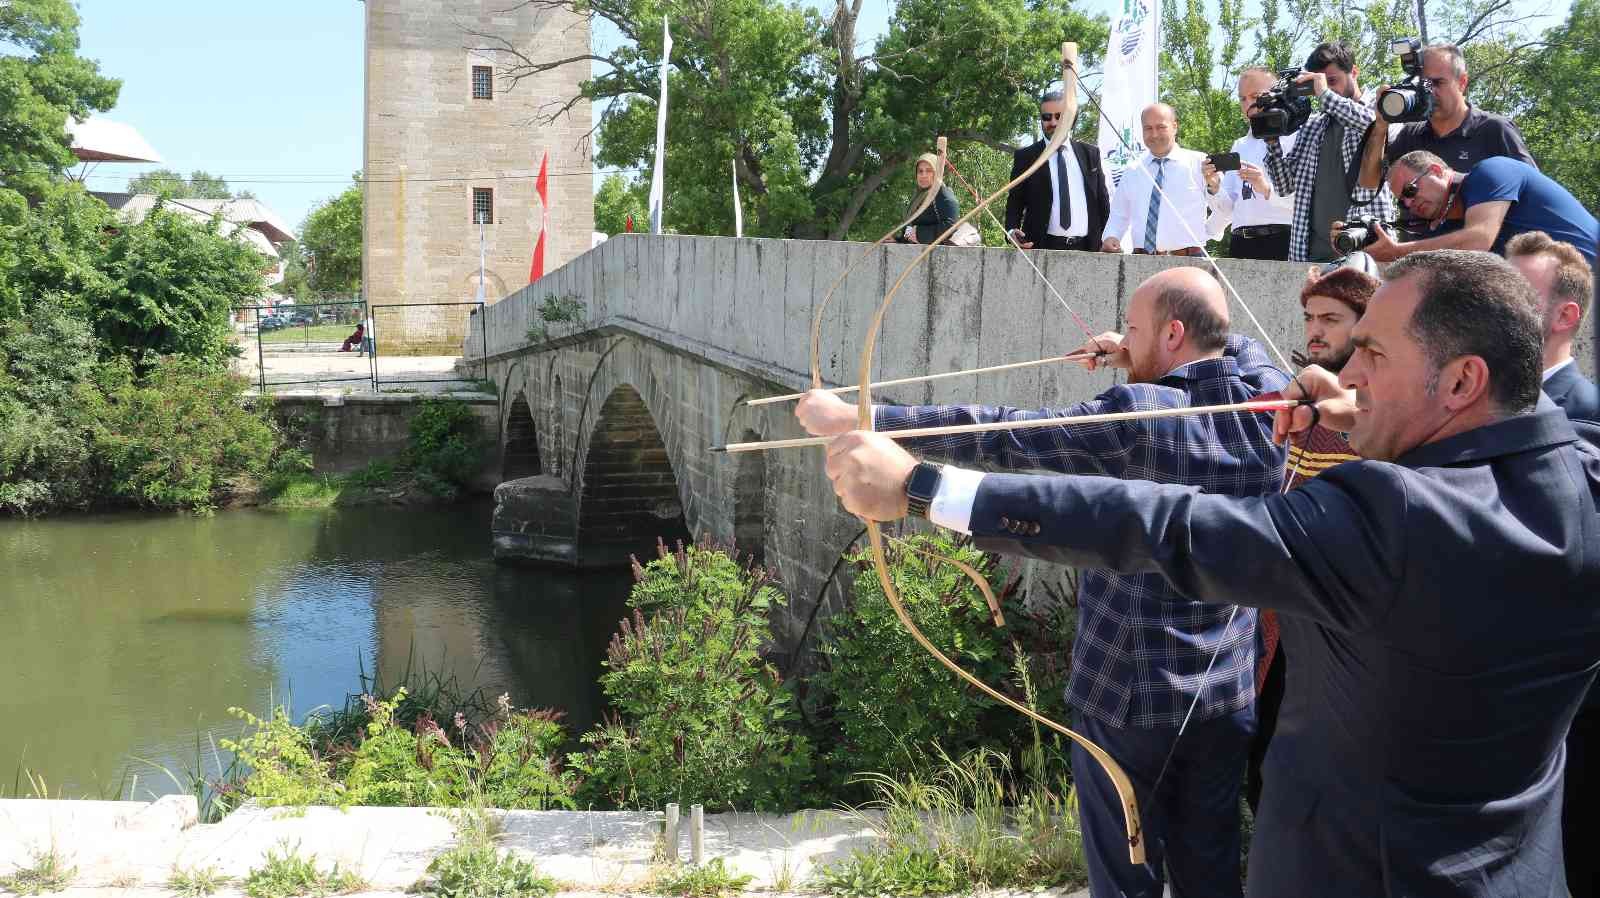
[316,333]
[196,882]
[48,872]
[708,880]
[285,873]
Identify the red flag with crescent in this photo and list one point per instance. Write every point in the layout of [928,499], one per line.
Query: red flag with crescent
[542,186]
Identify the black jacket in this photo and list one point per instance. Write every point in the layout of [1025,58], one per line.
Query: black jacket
[1443,614]
[1576,394]
[1028,204]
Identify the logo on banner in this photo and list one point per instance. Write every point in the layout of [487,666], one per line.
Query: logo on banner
[1131,26]
[1124,154]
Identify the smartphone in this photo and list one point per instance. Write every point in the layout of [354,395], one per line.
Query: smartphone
[1224,161]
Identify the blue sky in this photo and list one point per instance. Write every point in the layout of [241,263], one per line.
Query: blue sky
[268,95]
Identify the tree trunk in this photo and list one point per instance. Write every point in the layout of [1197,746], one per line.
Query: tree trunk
[870,185]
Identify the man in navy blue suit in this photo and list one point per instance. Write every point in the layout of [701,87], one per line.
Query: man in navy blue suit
[1141,658]
[1441,598]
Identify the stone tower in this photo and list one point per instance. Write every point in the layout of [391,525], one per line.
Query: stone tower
[448,141]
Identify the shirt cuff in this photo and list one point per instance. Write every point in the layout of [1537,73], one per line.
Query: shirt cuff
[951,507]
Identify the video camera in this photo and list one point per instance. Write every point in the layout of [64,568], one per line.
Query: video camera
[1282,109]
[1411,100]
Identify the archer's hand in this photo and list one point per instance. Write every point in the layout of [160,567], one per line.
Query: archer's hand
[869,473]
[1336,406]
[824,414]
[1110,352]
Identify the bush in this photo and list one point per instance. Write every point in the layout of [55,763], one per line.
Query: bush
[888,706]
[702,718]
[446,446]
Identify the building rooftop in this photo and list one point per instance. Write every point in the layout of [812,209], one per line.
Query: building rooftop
[102,140]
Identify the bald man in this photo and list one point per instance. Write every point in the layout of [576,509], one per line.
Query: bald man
[1178,218]
[1141,647]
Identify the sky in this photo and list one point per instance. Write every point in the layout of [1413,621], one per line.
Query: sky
[269,95]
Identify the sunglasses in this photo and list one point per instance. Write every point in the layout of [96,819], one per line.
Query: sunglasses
[1049,116]
[1410,190]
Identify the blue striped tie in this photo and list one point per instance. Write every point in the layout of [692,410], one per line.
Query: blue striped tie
[1153,217]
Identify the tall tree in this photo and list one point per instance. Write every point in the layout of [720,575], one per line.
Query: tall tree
[43,82]
[1556,106]
[616,200]
[168,184]
[815,122]
[331,241]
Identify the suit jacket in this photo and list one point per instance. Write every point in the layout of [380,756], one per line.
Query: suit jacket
[1028,204]
[1577,395]
[1443,613]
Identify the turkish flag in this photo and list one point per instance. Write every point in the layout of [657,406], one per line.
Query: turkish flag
[542,186]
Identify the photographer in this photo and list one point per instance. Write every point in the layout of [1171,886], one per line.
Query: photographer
[1261,215]
[1316,171]
[1455,130]
[1496,201]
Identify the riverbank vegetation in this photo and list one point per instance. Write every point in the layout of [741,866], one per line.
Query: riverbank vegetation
[962,793]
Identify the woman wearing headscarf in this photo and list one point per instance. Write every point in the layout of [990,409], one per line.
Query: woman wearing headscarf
[940,214]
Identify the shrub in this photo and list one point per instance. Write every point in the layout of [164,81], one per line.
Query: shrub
[285,873]
[889,706]
[702,718]
[709,880]
[446,446]
[481,871]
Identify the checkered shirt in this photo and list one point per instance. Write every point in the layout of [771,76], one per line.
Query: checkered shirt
[1142,647]
[1297,171]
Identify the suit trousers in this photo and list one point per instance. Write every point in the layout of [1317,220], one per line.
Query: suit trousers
[1271,246]
[1191,828]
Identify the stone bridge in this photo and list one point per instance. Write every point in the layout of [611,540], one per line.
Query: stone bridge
[607,419]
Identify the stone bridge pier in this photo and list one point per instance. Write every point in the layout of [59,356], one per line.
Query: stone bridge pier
[608,419]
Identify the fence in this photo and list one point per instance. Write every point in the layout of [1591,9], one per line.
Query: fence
[354,345]
[412,329]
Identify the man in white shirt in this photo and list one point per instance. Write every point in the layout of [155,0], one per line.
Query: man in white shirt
[1261,216]
[1174,220]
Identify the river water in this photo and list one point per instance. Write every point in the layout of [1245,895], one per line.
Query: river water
[124,638]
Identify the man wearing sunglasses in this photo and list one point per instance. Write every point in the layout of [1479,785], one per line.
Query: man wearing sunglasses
[1064,204]
[1458,132]
[1494,202]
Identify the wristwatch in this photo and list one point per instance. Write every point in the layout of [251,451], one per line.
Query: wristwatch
[921,486]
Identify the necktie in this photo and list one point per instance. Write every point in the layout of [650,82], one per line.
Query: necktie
[1153,217]
[1063,196]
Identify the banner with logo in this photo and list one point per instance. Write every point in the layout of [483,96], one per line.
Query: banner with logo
[1131,83]
[656,192]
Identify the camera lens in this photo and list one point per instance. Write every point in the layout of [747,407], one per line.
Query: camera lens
[1398,101]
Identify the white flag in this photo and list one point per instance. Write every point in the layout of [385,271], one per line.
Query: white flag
[738,211]
[480,262]
[1131,83]
[661,132]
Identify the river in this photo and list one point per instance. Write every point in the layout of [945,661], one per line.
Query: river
[125,638]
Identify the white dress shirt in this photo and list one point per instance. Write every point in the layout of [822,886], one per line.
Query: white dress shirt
[1075,198]
[1553,369]
[1186,202]
[1255,210]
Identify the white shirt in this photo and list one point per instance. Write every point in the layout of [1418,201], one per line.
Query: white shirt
[1255,210]
[1183,221]
[1553,369]
[1076,201]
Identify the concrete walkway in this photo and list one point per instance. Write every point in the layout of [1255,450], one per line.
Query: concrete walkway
[132,848]
[349,373]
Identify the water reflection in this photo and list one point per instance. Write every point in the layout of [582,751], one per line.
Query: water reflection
[125,635]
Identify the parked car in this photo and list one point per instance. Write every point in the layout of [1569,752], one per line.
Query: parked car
[274,322]
[300,318]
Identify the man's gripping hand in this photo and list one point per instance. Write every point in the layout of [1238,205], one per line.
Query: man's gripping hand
[824,414]
[869,473]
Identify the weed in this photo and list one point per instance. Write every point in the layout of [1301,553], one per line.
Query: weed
[196,882]
[555,309]
[125,880]
[285,873]
[481,871]
[901,870]
[47,872]
[705,881]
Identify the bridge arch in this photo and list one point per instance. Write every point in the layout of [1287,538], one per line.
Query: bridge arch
[520,455]
[629,496]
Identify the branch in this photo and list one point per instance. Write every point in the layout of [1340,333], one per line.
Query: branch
[970,136]
[1472,30]
[863,191]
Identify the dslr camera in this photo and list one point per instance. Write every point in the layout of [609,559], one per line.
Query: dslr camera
[1411,100]
[1358,235]
[1283,108]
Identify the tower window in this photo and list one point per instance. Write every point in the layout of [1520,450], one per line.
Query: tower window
[482,82]
[483,205]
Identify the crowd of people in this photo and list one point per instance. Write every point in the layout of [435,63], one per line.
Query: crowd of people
[1375,614]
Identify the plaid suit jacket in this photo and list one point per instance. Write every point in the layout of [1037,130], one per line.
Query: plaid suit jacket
[1141,647]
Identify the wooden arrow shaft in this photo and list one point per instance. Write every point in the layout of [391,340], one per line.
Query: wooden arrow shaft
[991,369]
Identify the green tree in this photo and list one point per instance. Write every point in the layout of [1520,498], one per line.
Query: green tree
[173,284]
[1556,103]
[616,200]
[166,183]
[296,278]
[815,125]
[331,241]
[43,81]
[50,255]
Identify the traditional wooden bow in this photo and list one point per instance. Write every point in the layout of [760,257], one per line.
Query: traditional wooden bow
[1119,779]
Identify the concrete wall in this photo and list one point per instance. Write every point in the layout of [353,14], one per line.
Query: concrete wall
[429,143]
[345,433]
[694,325]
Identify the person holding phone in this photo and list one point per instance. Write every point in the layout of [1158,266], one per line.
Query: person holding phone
[1262,216]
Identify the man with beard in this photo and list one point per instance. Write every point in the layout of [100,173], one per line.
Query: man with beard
[1142,657]
[1333,302]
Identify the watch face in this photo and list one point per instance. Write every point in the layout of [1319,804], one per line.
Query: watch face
[924,481]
